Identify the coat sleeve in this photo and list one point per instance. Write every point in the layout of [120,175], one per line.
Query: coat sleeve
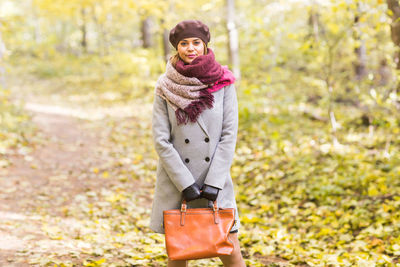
[169,157]
[223,156]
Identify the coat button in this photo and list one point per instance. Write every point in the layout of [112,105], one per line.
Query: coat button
[187,160]
[207,139]
[207,159]
[186,140]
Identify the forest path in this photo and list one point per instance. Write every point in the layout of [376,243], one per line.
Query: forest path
[43,183]
[73,180]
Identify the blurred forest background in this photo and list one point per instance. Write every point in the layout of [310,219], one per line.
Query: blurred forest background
[317,163]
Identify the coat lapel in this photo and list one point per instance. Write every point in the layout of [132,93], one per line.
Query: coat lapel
[202,124]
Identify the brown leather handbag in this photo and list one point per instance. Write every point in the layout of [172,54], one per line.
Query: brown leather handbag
[198,233]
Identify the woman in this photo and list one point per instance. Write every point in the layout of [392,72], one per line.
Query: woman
[195,120]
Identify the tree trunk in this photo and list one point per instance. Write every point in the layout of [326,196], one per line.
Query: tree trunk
[165,39]
[102,44]
[233,38]
[146,33]
[384,72]
[394,6]
[83,30]
[360,66]
[313,23]
[165,31]
[166,48]
[60,30]
[36,25]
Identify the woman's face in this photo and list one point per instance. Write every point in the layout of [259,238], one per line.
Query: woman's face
[190,48]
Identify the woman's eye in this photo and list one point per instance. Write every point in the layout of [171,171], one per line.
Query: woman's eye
[197,43]
[183,43]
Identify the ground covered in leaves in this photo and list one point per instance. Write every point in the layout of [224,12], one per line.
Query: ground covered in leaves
[79,191]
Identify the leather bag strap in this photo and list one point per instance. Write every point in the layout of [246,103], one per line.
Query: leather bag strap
[214,208]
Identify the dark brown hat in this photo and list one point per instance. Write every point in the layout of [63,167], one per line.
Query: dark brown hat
[188,29]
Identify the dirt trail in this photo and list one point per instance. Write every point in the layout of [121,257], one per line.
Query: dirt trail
[45,181]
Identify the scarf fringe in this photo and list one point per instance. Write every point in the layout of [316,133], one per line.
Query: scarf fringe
[192,112]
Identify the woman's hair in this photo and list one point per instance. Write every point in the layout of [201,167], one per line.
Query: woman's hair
[175,58]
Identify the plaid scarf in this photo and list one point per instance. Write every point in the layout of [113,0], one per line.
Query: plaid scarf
[188,88]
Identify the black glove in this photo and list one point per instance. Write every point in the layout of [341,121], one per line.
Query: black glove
[191,192]
[209,192]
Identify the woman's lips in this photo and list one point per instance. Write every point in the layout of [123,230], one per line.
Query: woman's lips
[191,56]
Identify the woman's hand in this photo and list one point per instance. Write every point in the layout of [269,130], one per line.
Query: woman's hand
[191,192]
[209,192]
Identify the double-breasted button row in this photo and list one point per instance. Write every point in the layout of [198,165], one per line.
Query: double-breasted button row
[206,159]
[187,141]
[205,140]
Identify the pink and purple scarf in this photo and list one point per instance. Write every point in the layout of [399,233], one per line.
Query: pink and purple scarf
[188,88]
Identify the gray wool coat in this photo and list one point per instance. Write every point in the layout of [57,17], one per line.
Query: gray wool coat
[200,152]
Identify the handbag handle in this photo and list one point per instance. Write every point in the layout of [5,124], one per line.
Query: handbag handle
[184,209]
[184,205]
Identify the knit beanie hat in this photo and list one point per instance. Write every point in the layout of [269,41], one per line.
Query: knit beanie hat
[188,29]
